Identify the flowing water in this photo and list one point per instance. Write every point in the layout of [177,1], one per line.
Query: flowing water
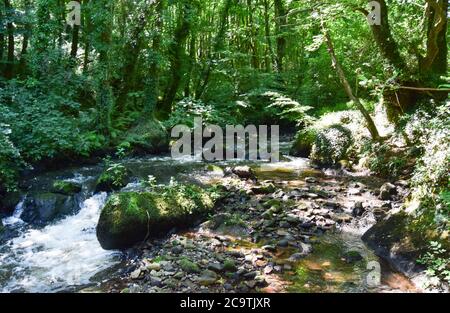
[66,256]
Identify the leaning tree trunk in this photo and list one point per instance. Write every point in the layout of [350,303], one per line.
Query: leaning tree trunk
[348,89]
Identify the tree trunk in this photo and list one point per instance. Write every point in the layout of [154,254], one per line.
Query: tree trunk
[280,22]
[9,68]
[176,52]
[385,41]
[436,59]
[75,40]
[348,89]
[269,52]
[152,85]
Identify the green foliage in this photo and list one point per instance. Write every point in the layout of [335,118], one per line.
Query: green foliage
[10,160]
[331,145]
[437,261]
[115,175]
[431,175]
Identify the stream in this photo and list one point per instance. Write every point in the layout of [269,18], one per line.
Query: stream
[65,255]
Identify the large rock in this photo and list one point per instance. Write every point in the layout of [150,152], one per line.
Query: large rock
[149,136]
[331,145]
[131,217]
[42,208]
[303,143]
[395,241]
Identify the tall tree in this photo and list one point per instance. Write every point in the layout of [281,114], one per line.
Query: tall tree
[177,56]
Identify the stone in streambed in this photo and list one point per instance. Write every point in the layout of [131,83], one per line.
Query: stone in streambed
[66,187]
[207,278]
[43,208]
[132,217]
[243,172]
[189,267]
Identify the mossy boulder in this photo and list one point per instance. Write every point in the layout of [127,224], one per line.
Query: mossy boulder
[401,241]
[114,178]
[331,145]
[303,143]
[149,136]
[66,187]
[131,217]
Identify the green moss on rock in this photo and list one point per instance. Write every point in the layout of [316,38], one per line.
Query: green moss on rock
[131,217]
[188,266]
[303,143]
[66,187]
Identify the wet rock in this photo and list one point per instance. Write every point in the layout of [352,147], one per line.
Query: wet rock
[216,267]
[243,172]
[250,275]
[207,278]
[358,209]
[387,191]
[9,201]
[263,190]
[296,257]
[177,250]
[42,208]
[283,243]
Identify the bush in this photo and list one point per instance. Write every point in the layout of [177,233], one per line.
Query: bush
[331,145]
[10,160]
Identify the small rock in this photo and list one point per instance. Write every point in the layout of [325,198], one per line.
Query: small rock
[310,180]
[216,267]
[207,278]
[352,256]
[243,171]
[268,269]
[296,257]
[177,250]
[136,274]
[154,267]
[283,243]
[358,209]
